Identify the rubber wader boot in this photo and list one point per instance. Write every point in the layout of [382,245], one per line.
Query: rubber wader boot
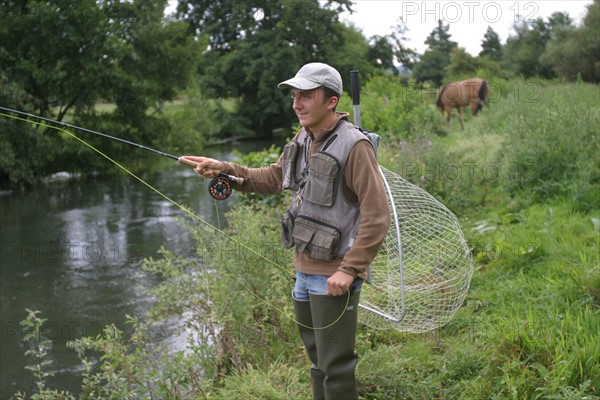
[335,319]
[307,334]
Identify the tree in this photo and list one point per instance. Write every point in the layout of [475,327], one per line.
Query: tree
[575,52]
[461,63]
[590,43]
[439,39]
[381,53]
[156,61]
[255,44]
[350,50]
[406,57]
[61,57]
[523,51]
[491,45]
[56,52]
[433,63]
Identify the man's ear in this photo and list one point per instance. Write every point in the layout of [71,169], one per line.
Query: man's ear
[332,102]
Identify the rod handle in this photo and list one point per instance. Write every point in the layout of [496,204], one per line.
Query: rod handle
[193,164]
[185,161]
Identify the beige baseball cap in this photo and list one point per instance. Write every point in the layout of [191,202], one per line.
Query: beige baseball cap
[313,75]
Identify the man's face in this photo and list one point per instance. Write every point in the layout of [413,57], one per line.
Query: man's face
[312,108]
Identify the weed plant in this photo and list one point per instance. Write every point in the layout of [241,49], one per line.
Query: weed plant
[527,330]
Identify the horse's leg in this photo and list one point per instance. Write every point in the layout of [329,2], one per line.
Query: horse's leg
[474,108]
[460,116]
[448,112]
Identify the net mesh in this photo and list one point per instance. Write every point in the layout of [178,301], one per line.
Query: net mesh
[423,270]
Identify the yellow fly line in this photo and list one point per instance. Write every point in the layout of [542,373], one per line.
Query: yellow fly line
[188,212]
[421,274]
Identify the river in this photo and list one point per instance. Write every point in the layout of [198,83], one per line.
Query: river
[72,249]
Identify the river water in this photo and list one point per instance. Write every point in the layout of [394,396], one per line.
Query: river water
[72,249]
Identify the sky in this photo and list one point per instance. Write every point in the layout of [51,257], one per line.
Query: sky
[468,19]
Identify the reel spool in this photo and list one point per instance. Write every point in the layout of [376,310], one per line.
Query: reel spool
[220,187]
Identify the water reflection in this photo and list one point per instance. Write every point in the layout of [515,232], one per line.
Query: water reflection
[72,249]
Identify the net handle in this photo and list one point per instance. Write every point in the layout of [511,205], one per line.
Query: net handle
[400,257]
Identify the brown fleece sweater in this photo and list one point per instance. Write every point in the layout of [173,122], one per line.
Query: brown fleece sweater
[362,183]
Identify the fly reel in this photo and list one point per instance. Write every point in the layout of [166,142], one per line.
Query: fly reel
[220,187]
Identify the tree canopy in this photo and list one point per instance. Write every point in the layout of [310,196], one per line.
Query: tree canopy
[59,57]
[433,63]
[62,58]
[255,44]
[491,45]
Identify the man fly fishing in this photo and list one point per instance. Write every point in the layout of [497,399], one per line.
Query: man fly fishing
[337,220]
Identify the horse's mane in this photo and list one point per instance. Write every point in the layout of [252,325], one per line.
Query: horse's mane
[483,90]
[438,99]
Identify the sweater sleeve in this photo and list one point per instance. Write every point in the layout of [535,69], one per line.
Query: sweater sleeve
[362,177]
[266,180]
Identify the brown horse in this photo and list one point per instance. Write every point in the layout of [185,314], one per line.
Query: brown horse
[472,91]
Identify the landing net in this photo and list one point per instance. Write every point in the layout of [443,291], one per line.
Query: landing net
[423,270]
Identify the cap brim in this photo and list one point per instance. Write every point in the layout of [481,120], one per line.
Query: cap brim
[299,83]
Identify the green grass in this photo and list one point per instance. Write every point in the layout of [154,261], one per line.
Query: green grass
[528,328]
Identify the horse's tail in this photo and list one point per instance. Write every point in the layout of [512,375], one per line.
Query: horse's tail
[438,99]
[483,91]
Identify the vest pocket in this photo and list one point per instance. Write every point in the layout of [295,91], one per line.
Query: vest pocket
[287,227]
[322,185]
[289,163]
[320,239]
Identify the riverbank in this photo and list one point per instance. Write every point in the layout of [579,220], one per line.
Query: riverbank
[527,199]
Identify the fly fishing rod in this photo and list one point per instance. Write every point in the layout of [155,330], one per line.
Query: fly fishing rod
[219,187]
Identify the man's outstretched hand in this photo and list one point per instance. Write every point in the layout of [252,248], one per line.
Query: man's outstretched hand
[203,166]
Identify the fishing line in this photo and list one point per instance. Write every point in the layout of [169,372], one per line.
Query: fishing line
[219,187]
[180,206]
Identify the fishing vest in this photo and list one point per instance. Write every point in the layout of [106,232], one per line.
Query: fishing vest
[320,220]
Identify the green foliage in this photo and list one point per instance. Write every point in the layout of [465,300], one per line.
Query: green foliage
[491,45]
[528,328]
[41,53]
[38,350]
[552,148]
[202,118]
[432,65]
[523,52]
[461,62]
[573,52]
[543,343]
[406,56]
[61,58]
[277,381]
[350,50]
[395,111]
[132,366]
[256,44]
[129,365]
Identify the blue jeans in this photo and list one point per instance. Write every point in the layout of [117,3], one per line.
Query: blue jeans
[316,284]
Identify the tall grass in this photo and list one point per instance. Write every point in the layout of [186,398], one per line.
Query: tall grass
[526,191]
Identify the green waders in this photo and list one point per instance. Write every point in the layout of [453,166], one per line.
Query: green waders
[307,335]
[330,345]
